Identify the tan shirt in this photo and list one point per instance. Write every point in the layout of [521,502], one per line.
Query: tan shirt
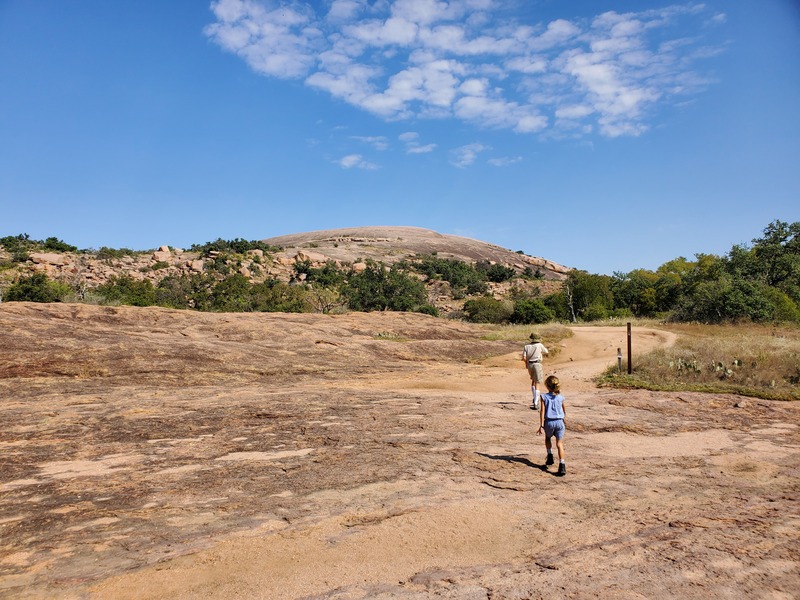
[533,352]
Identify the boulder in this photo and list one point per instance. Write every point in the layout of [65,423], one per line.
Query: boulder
[49,258]
[314,257]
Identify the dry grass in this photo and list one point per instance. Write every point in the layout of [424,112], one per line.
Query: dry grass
[752,360]
[552,334]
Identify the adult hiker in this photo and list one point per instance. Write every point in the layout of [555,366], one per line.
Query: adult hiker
[532,357]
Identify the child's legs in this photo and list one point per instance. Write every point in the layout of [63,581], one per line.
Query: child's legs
[560,446]
[548,444]
[559,435]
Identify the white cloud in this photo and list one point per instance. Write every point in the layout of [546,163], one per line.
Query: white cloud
[279,42]
[421,149]
[557,33]
[344,10]
[356,161]
[464,59]
[574,111]
[527,64]
[466,155]
[411,140]
[505,161]
[378,142]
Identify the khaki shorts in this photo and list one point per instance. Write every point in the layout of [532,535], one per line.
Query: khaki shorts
[536,371]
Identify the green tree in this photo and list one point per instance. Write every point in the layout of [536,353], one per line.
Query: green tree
[669,289]
[231,294]
[376,288]
[777,257]
[328,275]
[463,277]
[725,300]
[322,299]
[186,291]
[636,291]
[275,296]
[588,297]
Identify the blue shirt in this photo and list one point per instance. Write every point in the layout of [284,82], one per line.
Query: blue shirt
[553,406]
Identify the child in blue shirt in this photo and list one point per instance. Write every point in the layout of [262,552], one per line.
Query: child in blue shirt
[551,422]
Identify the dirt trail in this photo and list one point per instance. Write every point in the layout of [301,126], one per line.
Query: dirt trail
[378,469]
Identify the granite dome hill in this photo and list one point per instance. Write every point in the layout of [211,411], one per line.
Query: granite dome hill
[391,244]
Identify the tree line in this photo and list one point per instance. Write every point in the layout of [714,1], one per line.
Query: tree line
[759,282]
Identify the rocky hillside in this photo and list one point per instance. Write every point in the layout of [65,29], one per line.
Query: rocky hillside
[346,247]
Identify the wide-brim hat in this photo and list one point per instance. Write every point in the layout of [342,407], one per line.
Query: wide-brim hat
[535,337]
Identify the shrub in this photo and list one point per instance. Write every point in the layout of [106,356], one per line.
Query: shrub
[487,310]
[528,273]
[231,294]
[329,275]
[428,309]
[106,253]
[496,273]
[531,311]
[18,246]
[276,296]
[596,311]
[375,288]
[56,245]
[324,300]
[36,288]
[782,307]
[236,246]
[558,304]
[125,289]
[463,278]
[186,291]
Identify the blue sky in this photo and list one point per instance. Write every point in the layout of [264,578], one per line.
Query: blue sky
[603,135]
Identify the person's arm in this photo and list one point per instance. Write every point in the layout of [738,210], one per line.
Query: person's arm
[541,417]
[564,410]
[545,350]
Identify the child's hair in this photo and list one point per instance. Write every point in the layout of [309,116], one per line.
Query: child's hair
[552,384]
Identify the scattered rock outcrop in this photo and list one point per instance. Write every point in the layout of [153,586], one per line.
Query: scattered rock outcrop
[344,247]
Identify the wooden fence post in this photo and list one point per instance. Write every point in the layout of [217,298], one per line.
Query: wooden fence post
[630,362]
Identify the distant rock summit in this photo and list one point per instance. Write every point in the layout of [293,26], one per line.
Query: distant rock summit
[391,244]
